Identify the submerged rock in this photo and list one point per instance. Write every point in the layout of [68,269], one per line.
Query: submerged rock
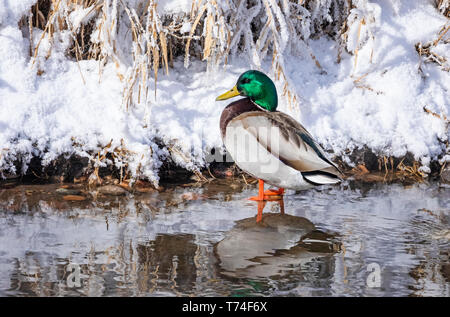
[445,175]
[112,190]
[143,187]
[68,191]
[74,198]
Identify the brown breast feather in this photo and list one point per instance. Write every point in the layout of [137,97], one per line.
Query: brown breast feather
[233,110]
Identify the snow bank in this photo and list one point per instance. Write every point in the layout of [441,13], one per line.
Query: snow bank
[11,11]
[375,97]
[378,98]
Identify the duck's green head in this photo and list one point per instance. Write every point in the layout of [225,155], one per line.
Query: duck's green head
[258,87]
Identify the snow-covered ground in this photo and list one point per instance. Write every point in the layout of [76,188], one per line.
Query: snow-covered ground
[375,97]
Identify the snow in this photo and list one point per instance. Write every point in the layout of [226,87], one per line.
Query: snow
[377,100]
[186,27]
[81,15]
[11,11]
[173,7]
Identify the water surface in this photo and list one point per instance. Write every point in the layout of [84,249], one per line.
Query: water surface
[349,240]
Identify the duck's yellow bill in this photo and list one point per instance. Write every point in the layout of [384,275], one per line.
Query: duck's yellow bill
[229,94]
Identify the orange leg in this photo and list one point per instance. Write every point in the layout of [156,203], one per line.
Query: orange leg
[281,202]
[270,194]
[261,205]
[260,196]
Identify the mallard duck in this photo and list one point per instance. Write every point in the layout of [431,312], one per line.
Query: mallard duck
[271,145]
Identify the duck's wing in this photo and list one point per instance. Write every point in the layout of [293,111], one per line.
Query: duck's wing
[288,140]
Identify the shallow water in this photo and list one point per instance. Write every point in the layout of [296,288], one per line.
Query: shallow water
[352,239]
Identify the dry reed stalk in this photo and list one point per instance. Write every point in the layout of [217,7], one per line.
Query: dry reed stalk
[442,117]
[444,7]
[176,152]
[47,29]
[410,171]
[359,83]
[278,47]
[149,42]
[208,37]
[361,23]
[191,33]
[441,34]
[425,50]
[162,40]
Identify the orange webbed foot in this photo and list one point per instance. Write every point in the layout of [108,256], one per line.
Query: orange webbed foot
[257,198]
[270,194]
[273,192]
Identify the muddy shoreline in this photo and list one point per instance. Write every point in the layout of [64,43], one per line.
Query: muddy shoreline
[17,195]
[368,167]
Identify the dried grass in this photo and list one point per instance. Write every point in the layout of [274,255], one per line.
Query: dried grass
[426,53]
[410,172]
[108,155]
[391,169]
[444,7]
[112,31]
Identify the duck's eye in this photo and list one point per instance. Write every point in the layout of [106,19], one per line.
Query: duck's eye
[245,80]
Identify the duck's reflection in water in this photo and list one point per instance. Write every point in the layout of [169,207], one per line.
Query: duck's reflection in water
[276,244]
